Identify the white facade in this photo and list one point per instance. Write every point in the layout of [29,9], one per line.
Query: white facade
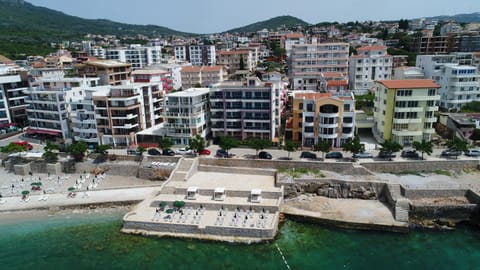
[180,52]
[431,64]
[309,61]
[97,51]
[372,63]
[187,114]
[136,55]
[458,85]
[202,55]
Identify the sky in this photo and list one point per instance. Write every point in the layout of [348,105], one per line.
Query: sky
[212,16]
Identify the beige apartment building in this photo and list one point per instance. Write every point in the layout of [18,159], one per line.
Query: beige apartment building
[203,75]
[110,72]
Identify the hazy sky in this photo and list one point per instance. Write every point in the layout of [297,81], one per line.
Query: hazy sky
[210,16]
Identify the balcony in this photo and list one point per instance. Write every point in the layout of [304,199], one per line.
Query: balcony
[86,139]
[335,125]
[407,121]
[431,119]
[126,126]
[345,124]
[417,98]
[101,116]
[125,116]
[406,132]
[84,130]
[414,109]
[328,136]
[434,108]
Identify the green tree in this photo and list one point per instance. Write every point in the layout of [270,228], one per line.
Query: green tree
[457,144]
[165,143]
[242,64]
[353,145]
[290,146]
[258,144]
[197,143]
[197,85]
[49,155]
[475,135]
[12,148]
[471,107]
[102,148]
[228,142]
[77,149]
[322,146]
[390,146]
[423,147]
[141,149]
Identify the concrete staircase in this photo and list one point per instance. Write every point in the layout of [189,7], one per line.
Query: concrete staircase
[182,170]
[402,205]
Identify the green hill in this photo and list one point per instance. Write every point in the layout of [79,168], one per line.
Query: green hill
[272,24]
[460,18]
[25,28]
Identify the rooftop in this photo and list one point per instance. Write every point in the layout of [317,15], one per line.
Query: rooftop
[409,84]
[372,48]
[107,63]
[189,92]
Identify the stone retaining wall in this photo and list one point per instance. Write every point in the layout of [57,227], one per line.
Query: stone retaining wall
[236,170]
[420,166]
[415,194]
[339,167]
[457,212]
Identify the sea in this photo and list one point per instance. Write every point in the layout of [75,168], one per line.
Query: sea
[94,241]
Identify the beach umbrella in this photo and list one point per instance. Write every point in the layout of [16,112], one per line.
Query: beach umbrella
[169,211]
[71,189]
[25,192]
[163,204]
[36,184]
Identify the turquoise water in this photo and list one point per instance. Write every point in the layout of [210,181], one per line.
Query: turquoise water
[94,242]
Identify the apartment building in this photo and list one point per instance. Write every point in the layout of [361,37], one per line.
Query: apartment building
[309,61]
[204,76]
[370,64]
[122,111]
[431,64]
[152,75]
[110,72]
[187,114]
[82,117]
[235,60]
[405,110]
[197,55]
[322,117]
[291,39]
[458,85]
[13,82]
[246,110]
[137,55]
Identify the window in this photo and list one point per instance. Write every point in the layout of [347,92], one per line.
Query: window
[404,93]
[428,114]
[411,115]
[432,92]
[300,106]
[346,107]
[309,119]
[430,103]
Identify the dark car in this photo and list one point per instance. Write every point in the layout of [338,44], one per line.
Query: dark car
[362,155]
[308,155]
[153,152]
[386,154]
[168,152]
[264,155]
[451,153]
[334,155]
[410,154]
[222,153]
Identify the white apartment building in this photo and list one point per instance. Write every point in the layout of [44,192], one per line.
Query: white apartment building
[370,64]
[431,64]
[293,39]
[309,61]
[12,98]
[187,114]
[97,51]
[197,55]
[136,55]
[458,85]
[405,110]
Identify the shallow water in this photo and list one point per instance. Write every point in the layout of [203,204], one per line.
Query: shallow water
[94,242]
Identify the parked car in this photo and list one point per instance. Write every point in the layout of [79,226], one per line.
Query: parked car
[25,144]
[362,155]
[264,155]
[153,152]
[221,153]
[308,155]
[386,154]
[334,155]
[204,152]
[410,154]
[451,153]
[183,151]
[472,153]
[168,152]
[133,151]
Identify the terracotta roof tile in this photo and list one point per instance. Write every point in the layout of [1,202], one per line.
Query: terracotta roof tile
[409,84]
[372,48]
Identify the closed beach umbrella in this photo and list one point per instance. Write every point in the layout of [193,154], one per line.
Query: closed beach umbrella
[25,192]
[71,189]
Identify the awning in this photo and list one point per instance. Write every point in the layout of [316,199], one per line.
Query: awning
[219,190]
[192,189]
[42,131]
[256,192]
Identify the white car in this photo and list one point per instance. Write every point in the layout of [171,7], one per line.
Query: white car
[472,153]
[183,151]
